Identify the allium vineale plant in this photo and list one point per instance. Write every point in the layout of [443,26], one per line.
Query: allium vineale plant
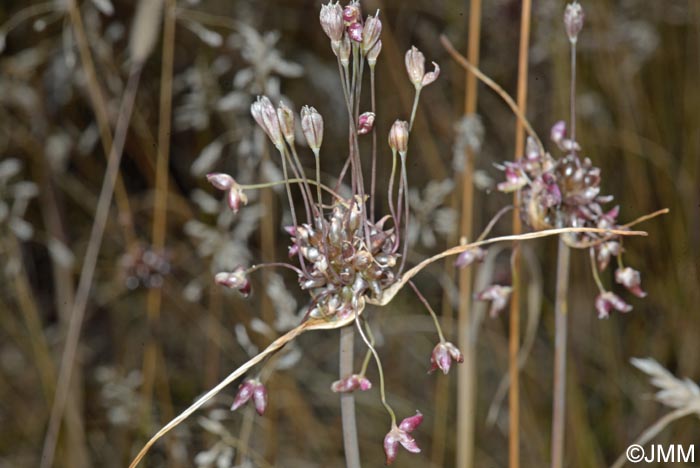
[346,254]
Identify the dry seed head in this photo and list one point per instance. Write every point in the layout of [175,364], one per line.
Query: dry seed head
[144,31]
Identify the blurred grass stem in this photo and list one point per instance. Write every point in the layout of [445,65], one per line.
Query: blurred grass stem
[514,329]
[88,268]
[466,373]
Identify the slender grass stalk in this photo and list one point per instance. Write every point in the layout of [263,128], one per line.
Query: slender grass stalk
[159,224]
[99,106]
[561,313]
[88,269]
[560,339]
[466,373]
[514,331]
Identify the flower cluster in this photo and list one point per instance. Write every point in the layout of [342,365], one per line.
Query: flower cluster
[345,256]
[565,192]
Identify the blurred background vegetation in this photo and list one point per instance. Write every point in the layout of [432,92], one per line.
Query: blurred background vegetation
[639,120]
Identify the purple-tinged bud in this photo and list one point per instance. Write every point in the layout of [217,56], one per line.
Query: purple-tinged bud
[237,279]
[265,115]
[515,178]
[400,435]
[355,32]
[351,383]
[532,150]
[286,120]
[374,53]
[605,251]
[391,446]
[245,392]
[221,181]
[443,355]
[331,18]
[412,422]
[291,230]
[607,301]
[470,256]
[398,136]
[351,13]
[558,132]
[573,21]
[631,279]
[365,123]
[498,295]
[371,33]
[251,389]
[293,250]
[260,398]
[312,127]
[235,197]
[455,353]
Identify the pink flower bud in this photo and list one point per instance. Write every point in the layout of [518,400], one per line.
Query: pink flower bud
[286,120]
[607,301]
[455,353]
[351,383]
[440,359]
[355,32]
[470,256]
[260,398]
[365,123]
[291,230]
[573,21]
[312,127]
[515,178]
[391,446]
[558,132]
[221,181]
[371,33]
[245,392]
[412,422]
[498,295]
[605,251]
[237,279]
[398,136]
[235,197]
[631,279]
[251,389]
[374,53]
[331,18]
[400,435]
[532,150]
[351,13]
